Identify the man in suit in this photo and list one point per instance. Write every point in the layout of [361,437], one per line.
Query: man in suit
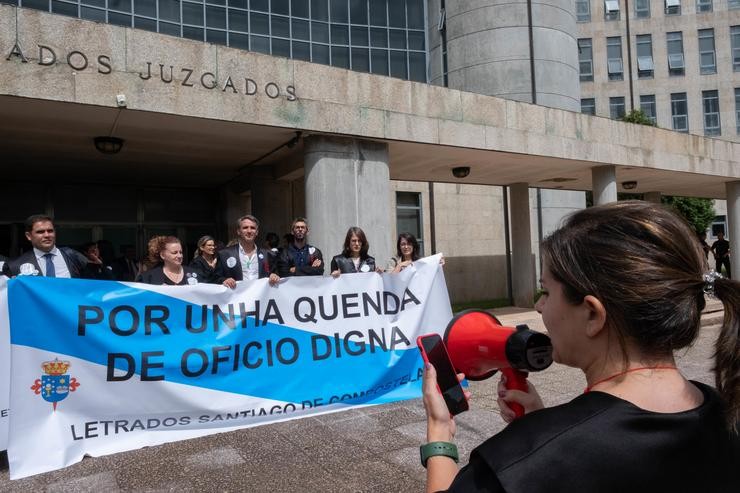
[245,260]
[45,259]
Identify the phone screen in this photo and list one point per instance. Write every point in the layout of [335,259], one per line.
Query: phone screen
[436,353]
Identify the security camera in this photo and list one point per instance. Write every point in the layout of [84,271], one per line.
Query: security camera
[121,100]
[461,171]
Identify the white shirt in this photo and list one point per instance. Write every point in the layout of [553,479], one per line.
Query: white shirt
[60,266]
[249,263]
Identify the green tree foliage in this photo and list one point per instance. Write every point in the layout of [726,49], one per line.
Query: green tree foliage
[639,117]
[698,212]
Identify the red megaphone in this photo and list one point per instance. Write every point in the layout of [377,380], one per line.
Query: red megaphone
[479,346]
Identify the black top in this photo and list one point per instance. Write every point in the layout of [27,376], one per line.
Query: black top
[75,261]
[601,443]
[206,273]
[345,265]
[301,259]
[720,248]
[229,265]
[156,276]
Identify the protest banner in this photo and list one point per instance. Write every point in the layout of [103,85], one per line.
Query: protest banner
[102,367]
[4,364]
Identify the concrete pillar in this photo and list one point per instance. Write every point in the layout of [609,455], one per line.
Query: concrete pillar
[733,225]
[653,197]
[522,266]
[347,183]
[272,203]
[604,184]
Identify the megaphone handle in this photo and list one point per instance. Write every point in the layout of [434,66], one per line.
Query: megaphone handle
[516,380]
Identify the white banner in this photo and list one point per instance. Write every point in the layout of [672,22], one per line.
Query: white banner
[4,364]
[101,367]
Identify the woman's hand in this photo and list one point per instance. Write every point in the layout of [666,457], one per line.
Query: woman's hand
[335,273]
[530,400]
[440,425]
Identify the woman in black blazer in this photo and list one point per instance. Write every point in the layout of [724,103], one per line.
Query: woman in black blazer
[170,271]
[354,257]
[205,261]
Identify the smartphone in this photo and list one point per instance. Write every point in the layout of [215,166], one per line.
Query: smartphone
[433,351]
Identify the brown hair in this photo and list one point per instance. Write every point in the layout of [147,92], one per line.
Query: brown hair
[154,248]
[411,239]
[354,230]
[646,266]
[201,243]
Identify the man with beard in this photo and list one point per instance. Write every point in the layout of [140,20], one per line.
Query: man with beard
[300,258]
[245,261]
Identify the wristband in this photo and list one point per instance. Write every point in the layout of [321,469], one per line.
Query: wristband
[438,448]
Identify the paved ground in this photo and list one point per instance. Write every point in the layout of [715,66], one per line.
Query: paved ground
[372,449]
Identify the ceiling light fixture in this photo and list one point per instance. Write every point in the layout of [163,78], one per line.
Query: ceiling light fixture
[629,185]
[108,145]
[460,171]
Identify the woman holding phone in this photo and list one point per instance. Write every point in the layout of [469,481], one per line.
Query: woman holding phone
[624,285]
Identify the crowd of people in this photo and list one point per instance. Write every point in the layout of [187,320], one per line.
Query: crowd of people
[242,259]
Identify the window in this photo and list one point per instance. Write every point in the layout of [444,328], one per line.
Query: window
[588,105]
[675,53]
[704,6]
[611,10]
[585,59]
[680,112]
[737,110]
[672,7]
[614,57]
[642,9]
[735,42]
[647,105]
[583,10]
[710,102]
[616,107]
[733,4]
[645,65]
[707,61]
[408,216]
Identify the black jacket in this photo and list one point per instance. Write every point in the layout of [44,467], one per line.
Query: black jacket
[76,263]
[346,266]
[227,268]
[156,276]
[286,260]
[206,274]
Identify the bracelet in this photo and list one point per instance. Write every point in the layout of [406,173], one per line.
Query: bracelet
[438,448]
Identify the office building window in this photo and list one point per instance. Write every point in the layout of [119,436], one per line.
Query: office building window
[408,216]
[707,61]
[680,112]
[585,59]
[710,103]
[676,64]
[733,4]
[588,105]
[672,7]
[611,10]
[614,58]
[704,6]
[583,10]
[642,9]
[647,105]
[735,42]
[645,65]
[737,110]
[616,107]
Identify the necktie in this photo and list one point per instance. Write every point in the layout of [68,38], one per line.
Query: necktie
[50,265]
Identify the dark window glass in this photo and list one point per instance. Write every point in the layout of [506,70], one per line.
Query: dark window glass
[239,41]
[260,23]
[378,13]
[340,56]
[339,34]
[397,13]
[280,26]
[37,4]
[281,7]
[415,12]
[260,44]
[217,2]
[281,47]
[92,14]
[216,37]
[378,37]
[192,13]
[145,7]
[62,8]
[379,59]
[416,40]
[301,51]
[358,11]
[320,54]
[93,3]
[320,10]
[398,64]
[299,8]
[11,2]
[195,33]
[320,32]
[145,24]
[261,5]
[169,10]
[216,17]
[417,67]
[300,29]
[238,20]
[359,36]
[397,38]
[339,10]
[361,59]
[167,28]
[119,19]
[240,4]
[122,5]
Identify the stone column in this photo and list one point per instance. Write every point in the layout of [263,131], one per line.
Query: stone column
[347,183]
[653,197]
[522,266]
[604,184]
[733,226]
[271,202]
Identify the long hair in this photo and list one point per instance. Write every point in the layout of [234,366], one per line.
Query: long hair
[201,243]
[354,230]
[155,246]
[414,245]
[645,264]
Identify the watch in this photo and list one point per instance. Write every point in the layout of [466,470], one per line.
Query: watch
[438,448]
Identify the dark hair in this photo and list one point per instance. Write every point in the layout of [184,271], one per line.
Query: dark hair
[645,266]
[298,220]
[86,246]
[36,218]
[247,217]
[272,239]
[354,230]
[414,244]
[201,243]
